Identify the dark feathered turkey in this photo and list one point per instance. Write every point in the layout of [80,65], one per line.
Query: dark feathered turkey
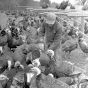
[83,45]
[69,46]
[3,38]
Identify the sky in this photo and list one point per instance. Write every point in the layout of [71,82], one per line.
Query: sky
[59,1]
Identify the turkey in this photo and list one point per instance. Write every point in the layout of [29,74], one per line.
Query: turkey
[69,45]
[63,5]
[32,36]
[83,45]
[3,38]
[72,32]
[31,72]
[14,38]
[32,56]
[6,62]
[65,37]
[14,42]
[44,81]
[63,70]
[43,58]
[3,81]
[86,28]
[19,55]
[70,48]
[18,80]
[22,50]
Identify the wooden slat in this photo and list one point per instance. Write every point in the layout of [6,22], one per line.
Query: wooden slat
[57,13]
[74,13]
[45,10]
[78,14]
[74,28]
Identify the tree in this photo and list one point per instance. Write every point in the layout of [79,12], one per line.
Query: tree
[46,1]
[23,2]
[33,4]
[8,4]
[81,2]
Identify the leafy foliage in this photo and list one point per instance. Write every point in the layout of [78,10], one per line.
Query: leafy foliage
[23,2]
[44,3]
[81,2]
[11,4]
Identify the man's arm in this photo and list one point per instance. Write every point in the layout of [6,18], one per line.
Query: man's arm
[57,39]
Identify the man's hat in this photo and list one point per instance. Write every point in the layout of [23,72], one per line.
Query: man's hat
[50,18]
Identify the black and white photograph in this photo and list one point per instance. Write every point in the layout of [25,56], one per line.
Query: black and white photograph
[43,43]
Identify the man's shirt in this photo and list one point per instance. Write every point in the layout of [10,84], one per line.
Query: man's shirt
[52,34]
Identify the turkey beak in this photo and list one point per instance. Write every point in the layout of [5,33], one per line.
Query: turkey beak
[9,64]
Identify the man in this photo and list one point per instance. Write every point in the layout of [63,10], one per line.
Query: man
[51,32]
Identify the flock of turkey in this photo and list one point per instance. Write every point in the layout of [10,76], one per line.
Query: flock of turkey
[25,64]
